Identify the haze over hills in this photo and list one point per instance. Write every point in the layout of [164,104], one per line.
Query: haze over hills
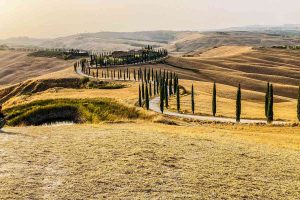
[177,42]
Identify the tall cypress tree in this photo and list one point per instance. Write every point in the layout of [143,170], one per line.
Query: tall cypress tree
[162,99]
[193,100]
[143,90]
[147,97]
[238,104]
[170,87]
[178,99]
[154,88]
[150,89]
[166,94]
[298,105]
[267,99]
[152,74]
[270,116]
[140,96]
[214,100]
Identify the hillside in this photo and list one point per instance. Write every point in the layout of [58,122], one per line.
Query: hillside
[177,42]
[16,66]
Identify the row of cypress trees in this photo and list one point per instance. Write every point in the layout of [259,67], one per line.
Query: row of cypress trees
[164,83]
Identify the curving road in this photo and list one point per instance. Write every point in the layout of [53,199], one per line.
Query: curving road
[154,106]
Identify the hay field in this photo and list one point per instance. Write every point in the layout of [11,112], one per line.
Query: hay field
[16,66]
[146,160]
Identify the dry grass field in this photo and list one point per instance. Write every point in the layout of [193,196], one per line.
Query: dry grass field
[150,161]
[16,66]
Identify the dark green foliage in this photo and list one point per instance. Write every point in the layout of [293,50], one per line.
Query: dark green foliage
[214,100]
[166,94]
[238,104]
[162,99]
[170,88]
[270,116]
[61,54]
[150,89]
[147,97]
[143,90]
[140,96]
[267,99]
[178,98]
[193,100]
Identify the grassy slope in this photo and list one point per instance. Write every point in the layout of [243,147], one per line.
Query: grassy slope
[146,160]
[17,66]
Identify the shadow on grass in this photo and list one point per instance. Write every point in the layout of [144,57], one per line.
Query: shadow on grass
[8,133]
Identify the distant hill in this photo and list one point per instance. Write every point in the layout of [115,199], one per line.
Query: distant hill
[177,42]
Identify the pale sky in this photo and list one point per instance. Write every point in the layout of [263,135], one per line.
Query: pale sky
[53,18]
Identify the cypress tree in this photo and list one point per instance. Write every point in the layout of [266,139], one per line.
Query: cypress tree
[147,97]
[238,104]
[140,98]
[150,89]
[152,75]
[267,99]
[170,87]
[166,94]
[298,105]
[178,99]
[193,100]
[143,90]
[270,116]
[214,100]
[162,99]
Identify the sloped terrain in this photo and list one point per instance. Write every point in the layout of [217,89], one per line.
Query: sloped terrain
[252,70]
[16,66]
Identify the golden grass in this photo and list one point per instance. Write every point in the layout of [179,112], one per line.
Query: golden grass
[17,66]
[252,102]
[145,160]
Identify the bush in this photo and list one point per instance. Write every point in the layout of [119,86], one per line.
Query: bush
[77,111]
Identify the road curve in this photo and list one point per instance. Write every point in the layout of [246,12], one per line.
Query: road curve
[154,106]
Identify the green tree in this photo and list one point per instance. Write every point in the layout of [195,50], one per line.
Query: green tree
[166,94]
[214,100]
[162,99]
[143,90]
[238,104]
[178,98]
[150,89]
[147,97]
[193,99]
[140,98]
[270,116]
[267,99]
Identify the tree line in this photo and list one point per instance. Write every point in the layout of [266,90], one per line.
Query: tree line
[115,58]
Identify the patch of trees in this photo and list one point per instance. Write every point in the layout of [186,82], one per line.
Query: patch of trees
[287,47]
[132,57]
[65,54]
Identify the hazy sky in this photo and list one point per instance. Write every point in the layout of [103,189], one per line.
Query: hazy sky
[52,18]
